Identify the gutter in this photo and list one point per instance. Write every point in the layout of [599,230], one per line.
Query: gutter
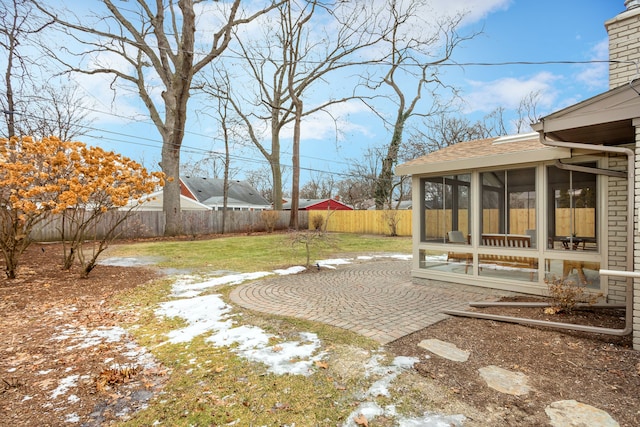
[630,210]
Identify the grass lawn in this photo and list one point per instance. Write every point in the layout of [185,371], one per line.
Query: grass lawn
[257,252]
[211,385]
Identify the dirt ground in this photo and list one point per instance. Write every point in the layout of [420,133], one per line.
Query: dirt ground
[56,337]
[599,370]
[50,317]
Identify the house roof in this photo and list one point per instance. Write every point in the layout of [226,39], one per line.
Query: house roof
[307,203]
[210,191]
[231,202]
[402,205]
[606,118]
[464,156]
[153,202]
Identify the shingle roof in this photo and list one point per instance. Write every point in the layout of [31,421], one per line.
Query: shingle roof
[475,152]
[305,203]
[207,190]
[477,148]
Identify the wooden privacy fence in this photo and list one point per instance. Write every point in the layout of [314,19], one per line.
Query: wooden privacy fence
[365,222]
[151,224]
[438,221]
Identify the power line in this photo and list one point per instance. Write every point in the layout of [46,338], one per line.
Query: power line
[227,55]
[156,143]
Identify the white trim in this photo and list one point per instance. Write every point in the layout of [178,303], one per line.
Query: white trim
[515,138]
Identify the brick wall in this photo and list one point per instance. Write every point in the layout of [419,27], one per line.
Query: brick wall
[636,244]
[624,45]
[618,234]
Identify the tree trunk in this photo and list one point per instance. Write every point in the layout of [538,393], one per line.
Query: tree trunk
[295,159]
[384,183]
[276,172]
[171,193]
[225,188]
[9,115]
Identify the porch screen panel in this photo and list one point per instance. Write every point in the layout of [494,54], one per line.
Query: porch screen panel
[572,214]
[493,193]
[446,207]
[508,203]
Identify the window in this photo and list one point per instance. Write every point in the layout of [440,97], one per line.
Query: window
[508,224]
[572,214]
[446,201]
[509,203]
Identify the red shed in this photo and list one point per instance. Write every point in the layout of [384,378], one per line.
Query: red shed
[318,205]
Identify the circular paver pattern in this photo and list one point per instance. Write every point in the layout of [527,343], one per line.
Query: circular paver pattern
[377,299]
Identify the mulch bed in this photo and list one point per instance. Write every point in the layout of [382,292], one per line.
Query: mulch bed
[595,369]
[41,307]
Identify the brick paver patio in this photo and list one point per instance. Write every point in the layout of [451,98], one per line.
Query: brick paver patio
[377,299]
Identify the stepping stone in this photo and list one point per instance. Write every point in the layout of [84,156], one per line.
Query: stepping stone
[569,413]
[445,349]
[514,383]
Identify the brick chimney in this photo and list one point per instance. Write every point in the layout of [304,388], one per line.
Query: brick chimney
[624,45]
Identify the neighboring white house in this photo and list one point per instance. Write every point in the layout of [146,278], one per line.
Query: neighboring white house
[241,196]
[562,203]
[153,202]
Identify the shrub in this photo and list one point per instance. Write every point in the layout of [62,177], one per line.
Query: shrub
[269,219]
[566,295]
[392,218]
[317,221]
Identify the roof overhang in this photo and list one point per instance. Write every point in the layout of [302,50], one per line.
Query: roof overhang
[472,163]
[606,119]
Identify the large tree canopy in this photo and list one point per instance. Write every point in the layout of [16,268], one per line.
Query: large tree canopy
[156,49]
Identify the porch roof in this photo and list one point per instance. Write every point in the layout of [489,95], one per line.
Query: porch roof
[605,119]
[468,155]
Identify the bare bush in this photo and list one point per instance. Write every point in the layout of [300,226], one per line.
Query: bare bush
[269,220]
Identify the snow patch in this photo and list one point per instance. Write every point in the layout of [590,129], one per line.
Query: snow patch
[290,270]
[187,288]
[370,409]
[82,338]
[64,385]
[209,314]
[72,418]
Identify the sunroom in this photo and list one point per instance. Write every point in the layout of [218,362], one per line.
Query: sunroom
[508,213]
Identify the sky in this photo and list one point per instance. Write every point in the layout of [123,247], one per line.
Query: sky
[510,31]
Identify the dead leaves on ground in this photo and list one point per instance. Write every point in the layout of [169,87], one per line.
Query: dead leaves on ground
[361,420]
[322,364]
[112,376]
[8,384]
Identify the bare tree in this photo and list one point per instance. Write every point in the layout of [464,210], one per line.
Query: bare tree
[261,180]
[445,129]
[297,55]
[18,24]
[225,129]
[157,41]
[438,132]
[319,187]
[210,165]
[412,56]
[527,111]
[55,110]
[358,190]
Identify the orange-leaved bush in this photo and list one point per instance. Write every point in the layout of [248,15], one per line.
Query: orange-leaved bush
[39,178]
[28,191]
[104,189]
